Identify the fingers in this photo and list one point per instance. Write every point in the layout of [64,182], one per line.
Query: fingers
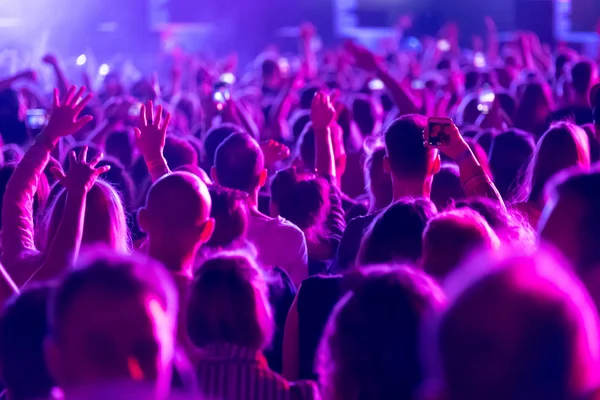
[96,160]
[76,97]
[143,121]
[137,133]
[56,100]
[83,121]
[102,170]
[69,95]
[165,125]
[83,154]
[158,116]
[81,105]
[57,173]
[149,112]
[72,159]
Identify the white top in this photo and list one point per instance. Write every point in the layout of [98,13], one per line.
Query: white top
[279,243]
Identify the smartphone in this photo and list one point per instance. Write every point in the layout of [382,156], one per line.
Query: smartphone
[485,100]
[36,119]
[376,84]
[438,135]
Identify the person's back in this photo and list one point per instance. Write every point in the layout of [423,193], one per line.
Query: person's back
[239,164]
[518,326]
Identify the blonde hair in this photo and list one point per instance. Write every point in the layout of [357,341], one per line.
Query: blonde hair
[104,223]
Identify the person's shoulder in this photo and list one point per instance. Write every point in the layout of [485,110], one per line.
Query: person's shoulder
[320,282]
[287,228]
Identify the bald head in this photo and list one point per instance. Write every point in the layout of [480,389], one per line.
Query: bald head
[518,327]
[178,205]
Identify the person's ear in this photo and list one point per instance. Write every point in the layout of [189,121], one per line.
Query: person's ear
[213,174]
[54,360]
[207,230]
[387,168]
[143,220]
[262,178]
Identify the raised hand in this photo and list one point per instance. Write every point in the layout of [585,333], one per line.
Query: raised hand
[64,119]
[50,59]
[274,152]
[456,145]
[151,134]
[28,75]
[322,112]
[363,58]
[81,175]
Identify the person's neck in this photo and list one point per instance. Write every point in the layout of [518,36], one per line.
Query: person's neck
[173,258]
[410,188]
[378,203]
[252,202]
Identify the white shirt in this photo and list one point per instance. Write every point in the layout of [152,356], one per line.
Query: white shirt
[279,243]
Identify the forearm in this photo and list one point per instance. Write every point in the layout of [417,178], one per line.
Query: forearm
[157,167]
[405,101]
[324,160]
[64,249]
[310,59]
[8,82]
[475,181]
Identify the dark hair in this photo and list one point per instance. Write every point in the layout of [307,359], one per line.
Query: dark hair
[302,202]
[213,139]
[396,234]
[228,303]
[582,74]
[509,156]
[23,328]
[364,114]
[230,214]
[301,119]
[269,68]
[307,94]
[239,161]
[116,275]
[404,146]
[178,151]
[536,95]
[120,145]
[306,147]
[370,347]
[446,186]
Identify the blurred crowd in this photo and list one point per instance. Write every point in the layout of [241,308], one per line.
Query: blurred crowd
[416,221]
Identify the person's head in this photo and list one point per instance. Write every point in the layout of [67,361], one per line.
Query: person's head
[104,221]
[12,114]
[23,328]
[534,107]
[176,216]
[370,347]
[368,115]
[518,326]
[240,164]
[113,319]
[120,145]
[378,183]
[119,179]
[450,237]
[303,202]
[407,158]
[571,223]
[230,212]
[271,74]
[213,139]
[396,235]
[228,304]
[179,151]
[446,186]
[583,75]
[509,155]
[563,146]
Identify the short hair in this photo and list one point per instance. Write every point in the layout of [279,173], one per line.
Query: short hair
[228,303]
[582,74]
[213,139]
[521,316]
[450,237]
[178,152]
[396,235]
[364,113]
[446,186]
[239,161]
[370,346]
[230,213]
[407,154]
[23,328]
[269,67]
[121,276]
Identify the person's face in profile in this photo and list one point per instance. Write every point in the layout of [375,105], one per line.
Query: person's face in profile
[115,340]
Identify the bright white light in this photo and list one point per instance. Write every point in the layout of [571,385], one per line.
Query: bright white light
[479,60]
[104,69]
[82,59]
[443,45]
[376,84]
[228,78]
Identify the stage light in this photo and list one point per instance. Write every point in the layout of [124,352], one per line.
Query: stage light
[228,78]
[104,69]
[479,60]
[81,60]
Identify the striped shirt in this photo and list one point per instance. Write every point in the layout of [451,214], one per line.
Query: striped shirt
[228,372]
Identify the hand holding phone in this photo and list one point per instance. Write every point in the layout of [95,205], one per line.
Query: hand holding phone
[437,133]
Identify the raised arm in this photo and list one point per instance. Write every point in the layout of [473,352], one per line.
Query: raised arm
[493,43]
[322,115]
[27,75]
[64,248]
[20,256]
[62,83]
[150,137]
[307,34]
[369,62]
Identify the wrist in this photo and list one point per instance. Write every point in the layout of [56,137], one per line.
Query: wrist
[48,139]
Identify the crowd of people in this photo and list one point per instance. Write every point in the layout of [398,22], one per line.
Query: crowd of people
[293,230]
